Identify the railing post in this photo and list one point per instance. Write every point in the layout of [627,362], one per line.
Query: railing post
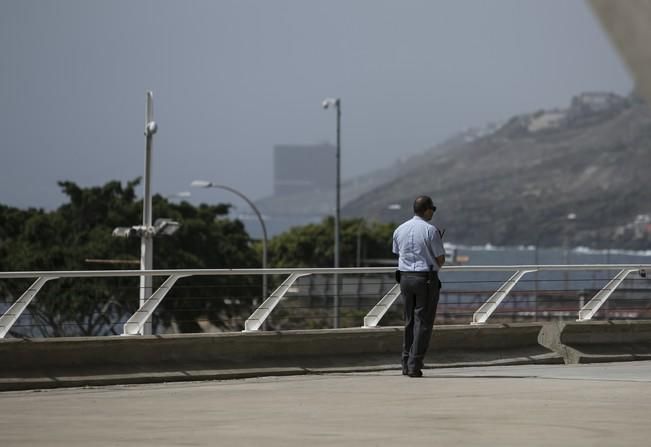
[590,309]
[140,317]
[375,315]
[486,310]
[259,316]
[12,314]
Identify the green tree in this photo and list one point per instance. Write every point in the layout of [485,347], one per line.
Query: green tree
[313,245]
[81,229]
[206,240]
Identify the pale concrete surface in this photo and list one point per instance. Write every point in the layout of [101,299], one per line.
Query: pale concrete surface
[531,405]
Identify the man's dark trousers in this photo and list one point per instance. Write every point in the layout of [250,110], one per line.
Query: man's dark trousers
[420,292]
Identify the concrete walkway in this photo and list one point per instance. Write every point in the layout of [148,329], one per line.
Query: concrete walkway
[533,405]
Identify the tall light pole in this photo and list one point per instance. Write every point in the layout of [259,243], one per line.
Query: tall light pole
[207,184]
[336,103]
[360,227]
[147,231]
[570,220]
[147,237]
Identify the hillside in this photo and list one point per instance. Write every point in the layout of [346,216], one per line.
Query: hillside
[519,184]
[284,211]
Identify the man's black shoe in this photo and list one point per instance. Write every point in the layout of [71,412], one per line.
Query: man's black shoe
[405,371]
[417,373]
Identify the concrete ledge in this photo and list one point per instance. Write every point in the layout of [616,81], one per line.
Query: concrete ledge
[51,362]
[55,362]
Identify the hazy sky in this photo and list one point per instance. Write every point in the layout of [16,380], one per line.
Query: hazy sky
[233,78]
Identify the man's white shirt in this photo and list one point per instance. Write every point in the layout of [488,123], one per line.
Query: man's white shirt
[417,244]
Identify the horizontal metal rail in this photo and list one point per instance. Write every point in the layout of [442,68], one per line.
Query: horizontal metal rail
[256,320]
[193,272]
[289,271]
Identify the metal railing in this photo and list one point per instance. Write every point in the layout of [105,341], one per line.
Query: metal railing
[136,322]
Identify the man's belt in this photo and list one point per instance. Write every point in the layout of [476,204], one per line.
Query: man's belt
[423,274]
[429,276]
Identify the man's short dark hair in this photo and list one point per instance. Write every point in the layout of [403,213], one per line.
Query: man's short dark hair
[422,204]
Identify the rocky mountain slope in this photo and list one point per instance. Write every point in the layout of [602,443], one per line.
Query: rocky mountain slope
[579,175]
[284,211]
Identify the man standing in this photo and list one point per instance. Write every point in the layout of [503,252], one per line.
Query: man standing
[420,251]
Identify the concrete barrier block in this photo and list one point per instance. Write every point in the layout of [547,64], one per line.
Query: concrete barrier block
[605,341]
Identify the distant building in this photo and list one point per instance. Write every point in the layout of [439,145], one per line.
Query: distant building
[547,119]
[584,106]
[304,168]
[597,101]
[591,103]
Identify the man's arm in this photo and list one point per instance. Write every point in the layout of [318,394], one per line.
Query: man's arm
[395,248]
[437,246]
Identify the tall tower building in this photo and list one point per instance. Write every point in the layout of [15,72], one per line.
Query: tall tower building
[303,168]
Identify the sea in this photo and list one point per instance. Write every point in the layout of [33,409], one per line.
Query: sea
[530,255]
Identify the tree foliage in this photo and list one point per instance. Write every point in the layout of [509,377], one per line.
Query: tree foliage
[313,245]
[80,230]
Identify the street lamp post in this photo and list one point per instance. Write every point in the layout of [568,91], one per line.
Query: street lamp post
[361,226]
[336,103]
[536,261]
[146,239]
[207,184]
[570,220]
[147,231]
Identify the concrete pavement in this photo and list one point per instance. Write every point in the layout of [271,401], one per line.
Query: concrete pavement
[532,405]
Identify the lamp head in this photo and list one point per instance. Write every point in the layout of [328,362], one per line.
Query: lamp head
[151,128]
[166,227]
[328,102]
[201,184]
[123,232]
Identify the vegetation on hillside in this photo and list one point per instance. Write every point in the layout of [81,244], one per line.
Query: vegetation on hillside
[519,184]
